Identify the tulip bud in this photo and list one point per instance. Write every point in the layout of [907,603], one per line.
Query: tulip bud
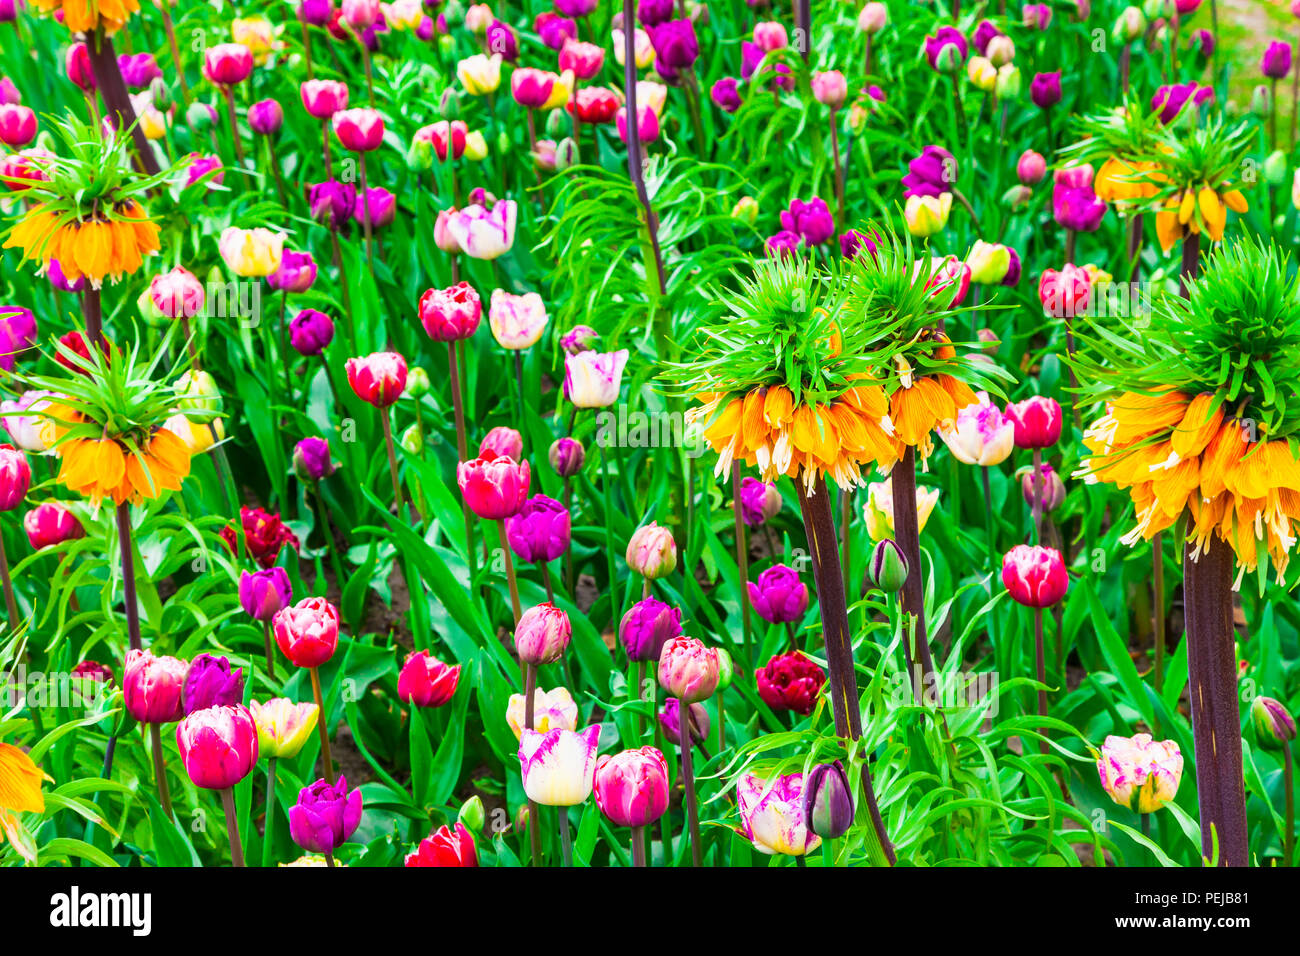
[426,681]
[828,801]
[566,457]
[152,687]
[542,634]
[726,669]
[1261,102]
[411,439]
[472,816]
[1037,421]
[746,210]
[1007,86]
[652,552]
[1130,25]
[210,682]
[888,568]
[311,459]
[566,154]
[218,745]
[698,726]
[1274,725]
[1035,576]
[1275,168]
[160,94]
[688,670]
[1017,197]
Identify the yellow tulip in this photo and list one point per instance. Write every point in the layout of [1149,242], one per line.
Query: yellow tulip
[480,74]
[926,215]
[561,90]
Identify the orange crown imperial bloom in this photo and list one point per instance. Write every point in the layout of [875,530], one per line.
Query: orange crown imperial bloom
[83,16]
[104,468]
[1177,453]
[1180,220]
[96,248]
[1121,180]
[765,428]
[920,405]
[20,786]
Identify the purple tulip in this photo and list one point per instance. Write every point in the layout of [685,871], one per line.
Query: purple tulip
[325,816]
[555,30]
[316,13]
[211,683]
[263,593]
[675,44]
[647,626]
[1170,100]
[8,92]
[297,272]
[854,242]
[1276,62]
[311,459]
[17,333]
[1013,268]
[930,174]
[1045,89]
[539,532]
[1074,201]
[985,32]
[575,8]
[310,331]
[779,595]
[501,39]
[265,117]
[383,207]
[1037,15]
[811,220]
[54,272]
[201,166]
[669,721]
[331,202]
[946,51]
[138,69]
[726,94]
[759,501]
[1202,42]
[783,244]
[651,13]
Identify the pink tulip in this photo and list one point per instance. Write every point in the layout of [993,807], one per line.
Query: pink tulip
[51,523]
[493,487]
[632,787]
[502,441]
[1035,576]
[177,294]
[688,670]
[323,98]
[361,130]
[451,314]
[17,125]
[308,632]
[426,681]
[1065,294]
[15,477]
[218,745]
[226,64]
[647,127]
[1037,421]
[531,87]
[378,378]
[151,687]
[584,59]
[447,139]
[542,634]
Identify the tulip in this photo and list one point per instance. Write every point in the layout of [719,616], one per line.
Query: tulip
[378,378]
[760,502]
[22,419]
[517,321]
[1037,421]
[264,535]
[879,509]
[594,105]
[1047,489]
[310,331]
[1276,61]
[1170,100]
[539,532]
[647,626]
[591,379]
[283,726]
[632,788]
[311,459]
[317,13]
[1065,293]
[325,816]
[484,234]
[308,632]
[580,338]
[982,74]
[493,487]
[177,294]
[15,477]
[790,682]
[770,35]
[946,50]
[1045,89]
[1001,50]
[583,59]
[888,567]
[1037,15]
[1074,200]
[54,272]
[773,815]
[675,44]
[566,456]
[226,64]
[726,94]
[688,670]
[218,745]
[811,221]
[51,523]
[988,262]
[445,847]
[359,130]
[779,596]
[502,441]
[531,87]
[872,17]
[360,14]
[375,206]
[647,127]
[501,40]
[980,435]
[558,766]
[1140,767]
[323,98]
[426,681]
[446,138]
[251,252]
[1129,26]
[926,215]
[542,635]
[698,717]
[76,64]
[652,552]
[828,801]
[643,51]
[17,125]
[1035,576]
[451,314]
[554,710]
[266,117]
[296,272]
[152,687]
[332,202]
[1031,168]
[480,74]
[1274,725]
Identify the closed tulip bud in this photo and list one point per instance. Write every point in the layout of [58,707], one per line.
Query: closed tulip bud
[888,567]
[647,127]
[790,682]
[873,17]
[502,442]
[426,681]
[325,816]
[779,596]
[542,634]
[946,50]
[152,686]
[592,379]
[283,727]
[262,594]
[539,532]
[1035,576]
[647,626]
[1037,421]
[652,552]
[77,65]
[472,815]
[1140,773]
[1275,168]
[480,74]
[1261,102]
[411,440]
[493,487]
[726,669]
[1276,61]
[1274,725]
[632,787]
[698,727]
[566,154]
[773,815]
[265,117]
[1001,50]
[296,273]
[311,459]
[218,745]
[15,477]
[688,670]
[378,378]
[830,88]
[51,523]
[210,682]
[566,456]
[760,502]
[1031,168]
[746,210]
[828,801]
[1008,83]
[1130,25]
[580,338]
[200,117]
[1048,487]
[308,632]
[926,215]
[177,294]
[310,331]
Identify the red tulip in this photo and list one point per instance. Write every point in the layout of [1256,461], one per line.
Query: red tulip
[1034,575]
[790,682]
[308,632]
[494,486]
[50,523]
[227,63]
[1037,421]
[427,681]
[445,847]
[378,378]
[451,314]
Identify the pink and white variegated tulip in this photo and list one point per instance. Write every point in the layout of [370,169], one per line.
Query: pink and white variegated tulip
[559,766]
[981,435]
[1140,773]
[592,379]
[517,321]
[773,819]
[482,233]
[552,710]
